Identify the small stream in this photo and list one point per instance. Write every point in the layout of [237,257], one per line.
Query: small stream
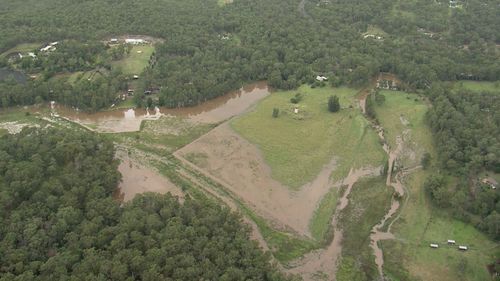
[377,234]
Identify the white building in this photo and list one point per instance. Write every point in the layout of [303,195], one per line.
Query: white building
[135,41]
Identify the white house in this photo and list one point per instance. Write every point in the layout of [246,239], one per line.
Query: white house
[451,242]
[462,248]
[321,78]
[113,40]
[434,246]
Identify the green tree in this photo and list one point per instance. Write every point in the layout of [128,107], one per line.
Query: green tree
[333,103]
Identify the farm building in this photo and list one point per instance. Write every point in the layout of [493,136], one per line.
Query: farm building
[451,242]
[113,40]
[434,246]
[136,76]
[462,248]
[50,47]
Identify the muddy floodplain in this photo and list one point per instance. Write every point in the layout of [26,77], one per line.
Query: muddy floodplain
[138,178]
[129,120]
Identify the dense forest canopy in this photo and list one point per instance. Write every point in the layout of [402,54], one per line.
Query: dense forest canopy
[466,127]
[60,222]
[209,50]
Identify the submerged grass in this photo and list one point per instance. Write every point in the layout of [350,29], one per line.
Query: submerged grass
[368,203]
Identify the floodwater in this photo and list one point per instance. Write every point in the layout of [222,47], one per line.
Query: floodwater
[129,120]
[240,167]
[137,178]
[377,234]
[326,260]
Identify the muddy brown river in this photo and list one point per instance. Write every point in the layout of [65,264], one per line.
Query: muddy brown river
[129,120]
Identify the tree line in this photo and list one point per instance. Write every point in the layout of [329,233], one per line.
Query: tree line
[60,221]
[466,131]
[209,50]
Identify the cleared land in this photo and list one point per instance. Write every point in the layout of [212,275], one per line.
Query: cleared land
[403,114]
[136,61]
[409,255]
[477,86]
[296,146]
[344,140]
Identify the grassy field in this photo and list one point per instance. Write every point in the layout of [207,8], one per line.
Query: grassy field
[135,62]
[402,111]
[409,257]
[479,86]
[296,146]
[222,3]
[422,224]
[22,48]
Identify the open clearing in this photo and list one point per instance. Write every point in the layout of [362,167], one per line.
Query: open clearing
[136,61]
[477,86]
[419,224]
[297,146]
[304,211]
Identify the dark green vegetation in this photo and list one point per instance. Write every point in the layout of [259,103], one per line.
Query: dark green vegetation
[59,220]
[209,50]
[76,73]
[333,104]
[466,127]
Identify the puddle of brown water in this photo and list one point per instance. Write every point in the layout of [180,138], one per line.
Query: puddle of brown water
[137,178]
[129,120]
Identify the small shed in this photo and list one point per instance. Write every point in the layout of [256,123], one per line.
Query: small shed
[462,248]
[113,40]
[434,246]
[136,76]
[451,242]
